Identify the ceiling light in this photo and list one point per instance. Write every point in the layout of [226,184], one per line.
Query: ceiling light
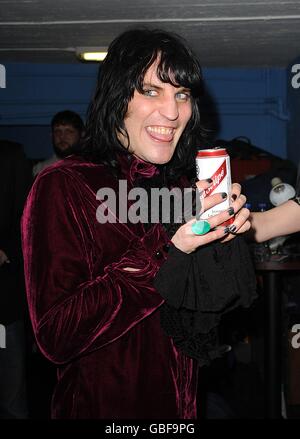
[91,54]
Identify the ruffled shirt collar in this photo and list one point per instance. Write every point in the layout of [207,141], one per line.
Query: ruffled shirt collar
[134,167]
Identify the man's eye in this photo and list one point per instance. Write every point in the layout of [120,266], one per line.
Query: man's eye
[150,92]
[183,96]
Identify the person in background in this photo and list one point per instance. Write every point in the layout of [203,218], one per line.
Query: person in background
[279,221]
[67,131]
[15,182]
[127,309]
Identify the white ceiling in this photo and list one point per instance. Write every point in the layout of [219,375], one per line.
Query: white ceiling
[222,33]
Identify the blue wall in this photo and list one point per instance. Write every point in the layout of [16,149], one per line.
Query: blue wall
[34,93]
[249,102]
[293,100]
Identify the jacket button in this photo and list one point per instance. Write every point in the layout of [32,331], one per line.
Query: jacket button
[158,254]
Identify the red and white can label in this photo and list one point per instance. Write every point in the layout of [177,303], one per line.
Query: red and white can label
[215,164]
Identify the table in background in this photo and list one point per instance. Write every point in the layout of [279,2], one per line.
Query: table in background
[272,270]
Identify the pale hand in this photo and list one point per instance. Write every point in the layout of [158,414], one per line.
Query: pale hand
[186,241]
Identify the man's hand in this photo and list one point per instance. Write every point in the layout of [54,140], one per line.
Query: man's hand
[3,258]
[186,241]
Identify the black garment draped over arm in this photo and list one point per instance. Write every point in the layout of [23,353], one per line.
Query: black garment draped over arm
[201,287]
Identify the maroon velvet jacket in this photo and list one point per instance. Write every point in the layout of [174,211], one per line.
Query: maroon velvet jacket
[99,323]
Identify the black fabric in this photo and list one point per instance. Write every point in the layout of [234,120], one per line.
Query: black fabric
[199,289]
[15,181]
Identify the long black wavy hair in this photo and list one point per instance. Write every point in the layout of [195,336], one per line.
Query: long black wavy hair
[129,57]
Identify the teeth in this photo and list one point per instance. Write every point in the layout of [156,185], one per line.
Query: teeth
[160,130]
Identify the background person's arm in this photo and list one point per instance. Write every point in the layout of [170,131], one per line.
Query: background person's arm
[279,221]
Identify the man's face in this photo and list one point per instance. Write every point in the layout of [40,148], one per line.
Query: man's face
[64,137]
[156,119]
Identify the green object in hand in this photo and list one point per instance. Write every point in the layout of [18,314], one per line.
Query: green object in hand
[200,227]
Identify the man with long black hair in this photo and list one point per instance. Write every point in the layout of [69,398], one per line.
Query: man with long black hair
[95,310]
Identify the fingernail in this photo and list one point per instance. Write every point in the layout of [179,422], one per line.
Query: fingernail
[194,185]
[209,180]
[226,230]
[231,211]
[233,197]
[223,195]
[232,228]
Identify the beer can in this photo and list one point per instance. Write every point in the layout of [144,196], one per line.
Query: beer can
[215,164]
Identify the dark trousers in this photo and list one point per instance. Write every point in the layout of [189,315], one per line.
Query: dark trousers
[13,398]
